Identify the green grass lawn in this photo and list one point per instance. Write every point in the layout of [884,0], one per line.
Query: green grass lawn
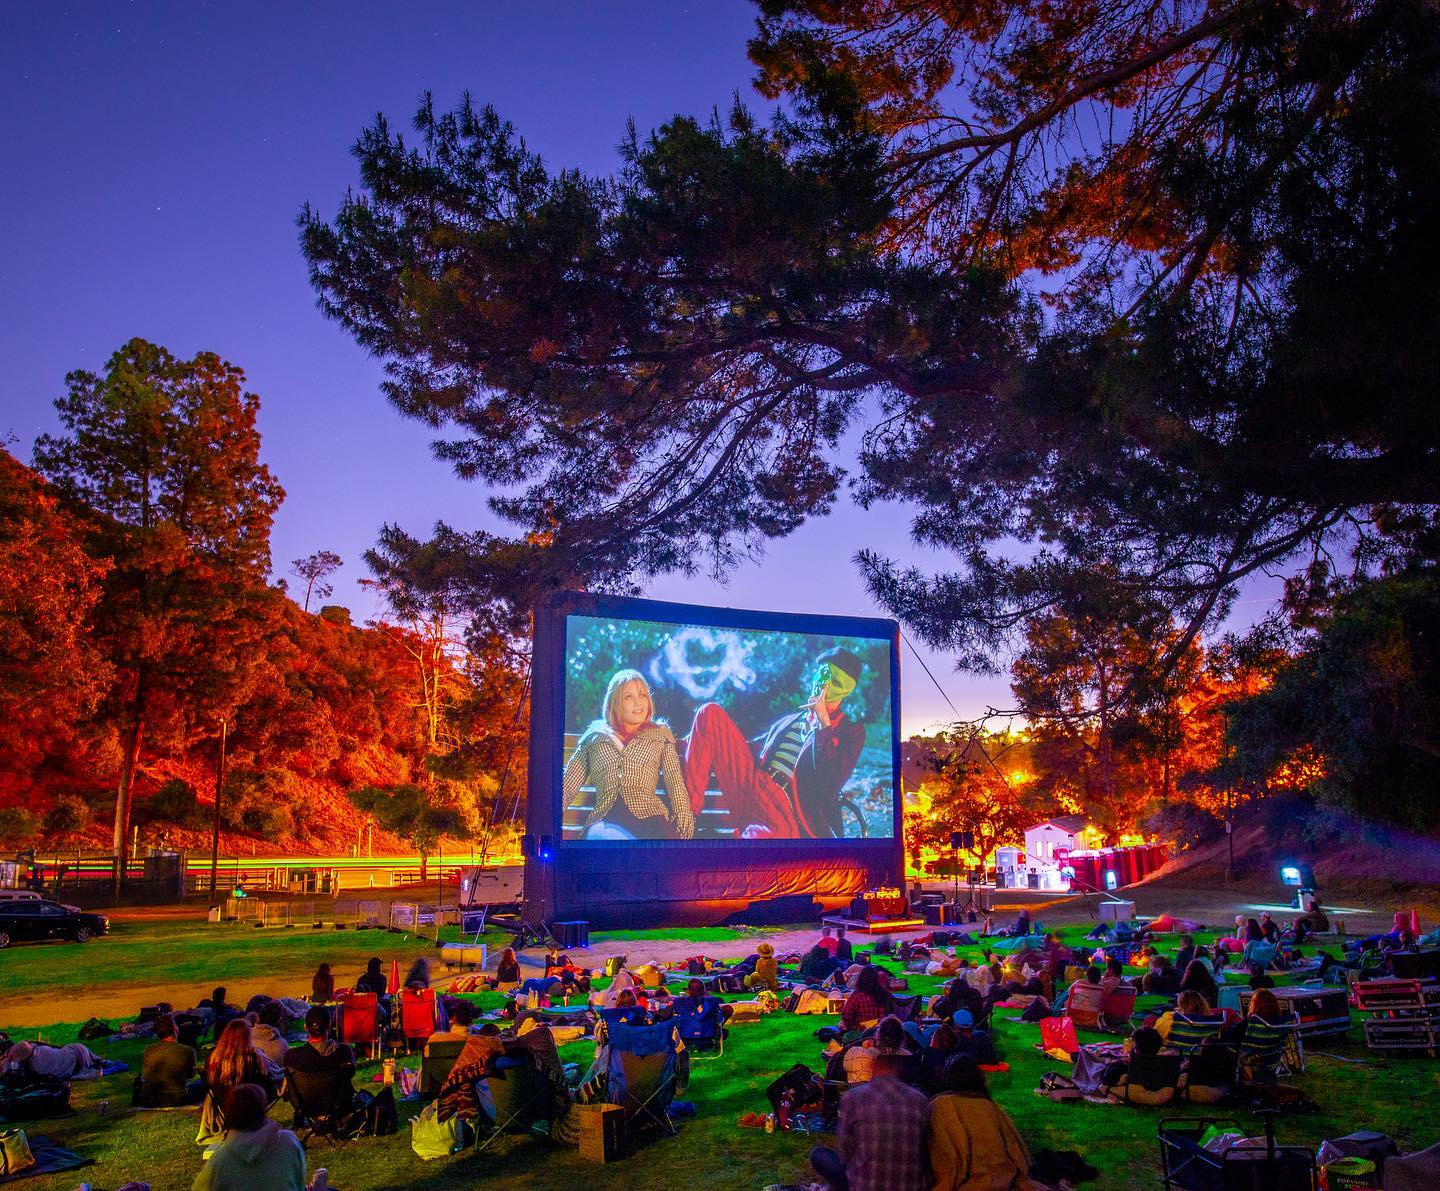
[232,953]
[1391,1094]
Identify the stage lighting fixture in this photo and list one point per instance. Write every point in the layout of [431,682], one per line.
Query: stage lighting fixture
[545,854]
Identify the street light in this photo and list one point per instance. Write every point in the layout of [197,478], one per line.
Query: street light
[215,829]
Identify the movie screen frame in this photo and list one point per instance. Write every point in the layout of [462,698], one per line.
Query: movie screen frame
[778,638]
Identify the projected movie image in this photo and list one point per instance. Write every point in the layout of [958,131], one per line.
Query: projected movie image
[697,732]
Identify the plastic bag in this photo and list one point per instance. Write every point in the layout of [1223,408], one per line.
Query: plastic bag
[1058,1033]
[432,1138]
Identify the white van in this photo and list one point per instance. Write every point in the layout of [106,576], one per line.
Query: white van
[19,895]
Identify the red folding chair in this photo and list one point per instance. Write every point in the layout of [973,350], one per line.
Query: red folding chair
[360,1019]
[417,1014]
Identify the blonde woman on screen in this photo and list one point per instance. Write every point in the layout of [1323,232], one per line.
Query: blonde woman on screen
[627,757]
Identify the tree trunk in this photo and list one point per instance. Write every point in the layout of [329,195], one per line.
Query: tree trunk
[130,752]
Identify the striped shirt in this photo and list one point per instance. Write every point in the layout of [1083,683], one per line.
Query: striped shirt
[788,748]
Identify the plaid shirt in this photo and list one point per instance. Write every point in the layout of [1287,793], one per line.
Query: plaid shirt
[884,1137]
[631,773]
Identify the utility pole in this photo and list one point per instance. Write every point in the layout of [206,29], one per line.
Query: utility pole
[215,829]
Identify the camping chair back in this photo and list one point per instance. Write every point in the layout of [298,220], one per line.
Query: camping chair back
[907,1008]
[1262,1048]
[1115,1013]
[319,1098]
[440,1056]
[1188,1034]
[521,1094]
[1152,1079]
[698,1024]
[359,1019]
[417,1012]
[1083,1004]
[1210,1073]
[642,1073]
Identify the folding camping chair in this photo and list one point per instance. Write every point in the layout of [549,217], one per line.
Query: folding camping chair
[440,1056]
[417,1014]
[360,1020]
[1083,1004]
[1189,1034]
[1263,1050]
[1152,1080]
[700,1026]
[321,1099]
[522,1097]
[1118,1009]
[642,1073]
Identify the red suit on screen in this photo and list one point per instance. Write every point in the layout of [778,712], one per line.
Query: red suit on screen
[806,806]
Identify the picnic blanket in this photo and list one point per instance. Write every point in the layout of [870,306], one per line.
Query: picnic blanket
[106,1067]
[49,1158]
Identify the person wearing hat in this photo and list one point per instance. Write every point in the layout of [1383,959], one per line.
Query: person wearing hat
[767,971]
[791,787]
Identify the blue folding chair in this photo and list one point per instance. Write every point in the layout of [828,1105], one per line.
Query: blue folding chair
[700,1026]
[642,1073]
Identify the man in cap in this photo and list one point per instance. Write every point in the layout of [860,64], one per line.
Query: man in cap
[789,787]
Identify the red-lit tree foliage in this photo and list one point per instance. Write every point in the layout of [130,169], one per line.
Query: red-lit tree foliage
[51,674]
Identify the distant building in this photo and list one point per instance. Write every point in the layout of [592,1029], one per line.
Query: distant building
[1062,834]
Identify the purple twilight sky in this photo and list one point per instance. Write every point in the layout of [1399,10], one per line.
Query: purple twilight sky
[157,155]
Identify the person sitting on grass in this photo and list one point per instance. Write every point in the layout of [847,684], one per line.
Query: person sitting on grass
[870,1001]
[256,1152]
[507,971]
[462,1017]
[268,1035]
[629,1010]
[817,966]
[1146,1041]
[767,969]
[1197,978]
[233,1061]
[974,1145]
[322,985]
[888,1039]
[1186,955]
[220,1009]
[1162,979]
[882,1138]
[373,980]
[166,1068]
[1259,955]
[1114,975]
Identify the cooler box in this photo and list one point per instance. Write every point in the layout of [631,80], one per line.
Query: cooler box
[1322,1011]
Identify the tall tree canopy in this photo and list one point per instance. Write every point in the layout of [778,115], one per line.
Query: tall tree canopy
[166,452]
[1125,297]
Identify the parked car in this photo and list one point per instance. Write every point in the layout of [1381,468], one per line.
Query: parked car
[26,921]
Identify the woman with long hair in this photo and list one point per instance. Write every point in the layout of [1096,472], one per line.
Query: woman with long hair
[235,1061]
[870,1001]
[627,757]
[973,1143]
[1197,978]
[322,986]
[507,971]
